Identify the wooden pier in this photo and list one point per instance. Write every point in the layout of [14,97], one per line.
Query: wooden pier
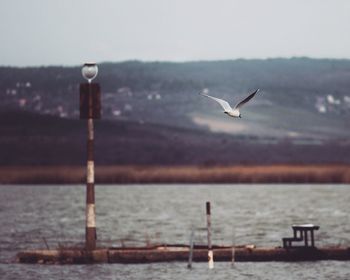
[180,254]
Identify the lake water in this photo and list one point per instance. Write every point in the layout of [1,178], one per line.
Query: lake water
[136,215]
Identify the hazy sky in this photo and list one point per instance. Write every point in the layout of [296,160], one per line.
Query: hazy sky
[70,32]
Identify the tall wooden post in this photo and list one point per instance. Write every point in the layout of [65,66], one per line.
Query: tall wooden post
[210,250]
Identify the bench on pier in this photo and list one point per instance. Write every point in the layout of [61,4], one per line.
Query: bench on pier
[300,233]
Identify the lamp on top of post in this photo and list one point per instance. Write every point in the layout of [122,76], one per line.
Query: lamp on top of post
[89,71]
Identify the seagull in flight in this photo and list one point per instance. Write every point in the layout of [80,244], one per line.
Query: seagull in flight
[232,112]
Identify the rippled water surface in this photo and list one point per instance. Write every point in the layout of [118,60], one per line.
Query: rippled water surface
[135,215]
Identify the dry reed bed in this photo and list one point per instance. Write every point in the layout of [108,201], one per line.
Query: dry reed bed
[178,174]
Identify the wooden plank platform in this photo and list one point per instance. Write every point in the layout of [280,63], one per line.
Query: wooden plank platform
[169,254]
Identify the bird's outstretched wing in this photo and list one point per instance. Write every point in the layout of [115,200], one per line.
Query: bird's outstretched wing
[224,104]
[240,104]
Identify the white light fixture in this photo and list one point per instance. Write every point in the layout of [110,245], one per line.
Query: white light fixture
[89,71]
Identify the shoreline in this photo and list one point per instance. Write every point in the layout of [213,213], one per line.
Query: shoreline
[247,174]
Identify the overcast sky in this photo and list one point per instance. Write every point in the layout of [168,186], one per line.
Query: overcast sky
[70,32]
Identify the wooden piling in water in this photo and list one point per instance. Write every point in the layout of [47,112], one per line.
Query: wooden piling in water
[233,247]
[210,251]
[190,256]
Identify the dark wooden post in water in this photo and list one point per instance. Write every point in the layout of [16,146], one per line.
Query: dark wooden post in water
[210,250]
[190,256]
[233,246]
[90,109]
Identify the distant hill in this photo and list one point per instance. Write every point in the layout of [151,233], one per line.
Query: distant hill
[152,113]
[32,139]
[299,97]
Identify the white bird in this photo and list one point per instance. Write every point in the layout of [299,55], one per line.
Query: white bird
[235,113]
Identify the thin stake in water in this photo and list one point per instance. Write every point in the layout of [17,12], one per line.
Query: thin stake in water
[210,250]
[233,246]
[190,257]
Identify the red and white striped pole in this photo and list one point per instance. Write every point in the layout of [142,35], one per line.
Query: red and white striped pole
[90,234]
[88,109]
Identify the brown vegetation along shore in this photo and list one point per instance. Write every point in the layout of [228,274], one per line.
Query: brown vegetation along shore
[178,174]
